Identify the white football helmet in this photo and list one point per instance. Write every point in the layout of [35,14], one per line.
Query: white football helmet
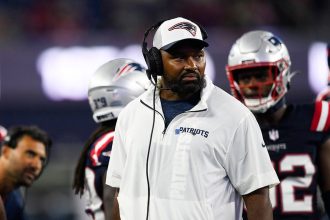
[3,133]
[113,86]
[260,49]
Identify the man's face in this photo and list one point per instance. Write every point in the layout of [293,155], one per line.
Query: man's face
[255,82]
[26,161]
[184,67]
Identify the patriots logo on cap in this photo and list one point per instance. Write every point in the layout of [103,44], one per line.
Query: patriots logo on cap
[185,25]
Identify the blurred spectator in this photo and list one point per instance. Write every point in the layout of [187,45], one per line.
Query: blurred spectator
[24,155]
[325,94]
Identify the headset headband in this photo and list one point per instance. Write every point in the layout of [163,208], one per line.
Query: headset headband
[146,33]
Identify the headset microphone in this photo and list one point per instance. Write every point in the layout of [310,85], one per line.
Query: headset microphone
[174,88]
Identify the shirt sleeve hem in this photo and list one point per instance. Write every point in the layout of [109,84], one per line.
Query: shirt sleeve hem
[113,181]
[255,182]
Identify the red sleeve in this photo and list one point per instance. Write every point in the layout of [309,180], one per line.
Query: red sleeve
[321,116]
[99,147]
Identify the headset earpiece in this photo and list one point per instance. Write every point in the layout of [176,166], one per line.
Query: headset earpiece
[152,56]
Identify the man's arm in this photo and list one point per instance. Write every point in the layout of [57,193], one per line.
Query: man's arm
[258,204]
[110,202]
[2,210]
[115,209]
[324,177]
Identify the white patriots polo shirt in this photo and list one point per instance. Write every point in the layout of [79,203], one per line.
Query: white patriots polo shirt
[199,166]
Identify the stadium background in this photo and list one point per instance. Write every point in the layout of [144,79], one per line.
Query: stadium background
[28,28]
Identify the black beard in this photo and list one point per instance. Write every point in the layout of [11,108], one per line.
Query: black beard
[183,88]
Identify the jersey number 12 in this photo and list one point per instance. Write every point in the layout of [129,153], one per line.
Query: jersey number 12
[286,198]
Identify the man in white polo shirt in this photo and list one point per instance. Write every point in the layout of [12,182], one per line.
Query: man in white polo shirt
[185,149]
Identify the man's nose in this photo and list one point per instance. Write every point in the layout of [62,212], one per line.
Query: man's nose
[190,64]
[253,80]
[36,163]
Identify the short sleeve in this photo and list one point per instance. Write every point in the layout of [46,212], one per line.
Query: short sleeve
[247,162]
[117,157]
[98,155]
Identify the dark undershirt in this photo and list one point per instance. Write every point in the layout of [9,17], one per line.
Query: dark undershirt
[174,108]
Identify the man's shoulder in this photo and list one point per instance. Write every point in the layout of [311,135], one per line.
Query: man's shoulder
[136,102]
[132,107]
[222,98]
[227,109]
[14,203]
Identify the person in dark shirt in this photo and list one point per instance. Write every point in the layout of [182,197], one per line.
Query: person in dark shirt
[15,204]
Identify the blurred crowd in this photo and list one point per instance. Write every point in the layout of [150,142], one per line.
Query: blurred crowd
[21,19]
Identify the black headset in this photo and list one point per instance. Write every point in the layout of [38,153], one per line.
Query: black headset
[153,56]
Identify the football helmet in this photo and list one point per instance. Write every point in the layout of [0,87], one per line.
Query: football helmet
[3,133]
[113,86]
[264,50]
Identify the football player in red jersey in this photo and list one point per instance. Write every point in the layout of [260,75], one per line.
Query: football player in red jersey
[296,136]
[111,88]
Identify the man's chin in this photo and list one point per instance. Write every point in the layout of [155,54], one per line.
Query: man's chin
[27,182]
[189,88]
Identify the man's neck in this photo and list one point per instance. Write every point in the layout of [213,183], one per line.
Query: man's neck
[6,184]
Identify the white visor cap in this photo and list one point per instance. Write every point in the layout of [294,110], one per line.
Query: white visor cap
[177,29]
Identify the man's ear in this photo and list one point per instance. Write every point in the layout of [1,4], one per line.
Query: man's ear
[5,151]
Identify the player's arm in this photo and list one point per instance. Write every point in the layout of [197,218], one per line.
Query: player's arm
[324,177]
[111,207]
[258,204]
